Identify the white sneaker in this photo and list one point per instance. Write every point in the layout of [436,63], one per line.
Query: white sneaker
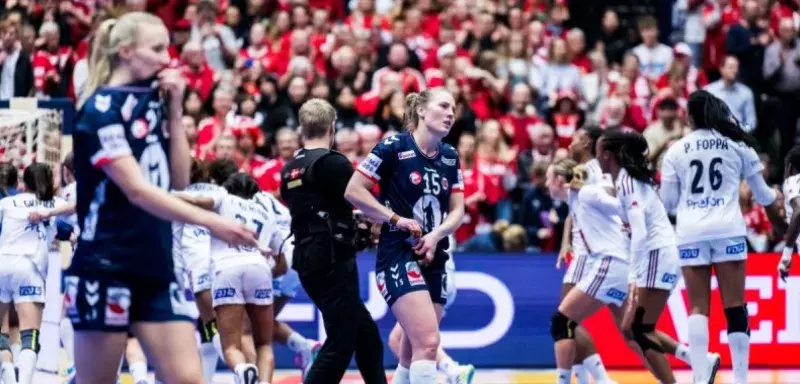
[713,366]
[249,375]
[464,376]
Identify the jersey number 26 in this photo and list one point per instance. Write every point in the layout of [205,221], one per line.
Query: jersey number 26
[714,175]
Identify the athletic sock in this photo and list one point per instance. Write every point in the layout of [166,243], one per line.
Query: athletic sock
[580,373]
[448,366]
[422,372]
[563,376]
[15,350]
[9,376]
[67,334]
[27,365]
[739,343]
[698,347]
[210,358]
[139,371]
[298,343]
[682,354]
[595,366]
[401,375]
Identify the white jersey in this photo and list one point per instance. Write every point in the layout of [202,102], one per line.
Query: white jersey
[189,239]
[597,214]
[791,189]
[70,195]
[635,194]
[283,218]
[708,168]
[595,176]
[255,217]
[21,237]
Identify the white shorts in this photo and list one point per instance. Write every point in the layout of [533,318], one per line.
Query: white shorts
[607,280]
[286,285]
[713,251]
[657,269]
[197,256]
[450,288]
[20,280]
[578,267]
[243,284]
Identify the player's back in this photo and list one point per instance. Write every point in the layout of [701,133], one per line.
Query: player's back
[594,176]
[636,193]
[255,217]
[282,215]
[117,236]
[191,239]
[601,230]
[708,167]
[20,236]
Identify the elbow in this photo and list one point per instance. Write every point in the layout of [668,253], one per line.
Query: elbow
[137,195]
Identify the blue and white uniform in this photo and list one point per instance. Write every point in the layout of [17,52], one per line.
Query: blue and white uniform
[288,284]
[416,186]
[122,270]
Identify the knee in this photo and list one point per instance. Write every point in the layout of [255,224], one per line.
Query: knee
[562,327]
[738,320]
[427,345]
[395,338]
[644,334]
[29,339]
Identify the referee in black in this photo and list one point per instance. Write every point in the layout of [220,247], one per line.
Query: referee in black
[313,185]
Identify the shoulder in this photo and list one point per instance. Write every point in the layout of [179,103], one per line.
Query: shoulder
[101,102]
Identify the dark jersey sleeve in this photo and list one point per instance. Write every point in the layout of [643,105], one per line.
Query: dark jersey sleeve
[380,161]
[333,171]
[101,130]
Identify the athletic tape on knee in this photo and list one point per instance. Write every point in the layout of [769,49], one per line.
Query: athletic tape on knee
[641,330]
[738,320]
[561,327]
[5,344]
[30,339]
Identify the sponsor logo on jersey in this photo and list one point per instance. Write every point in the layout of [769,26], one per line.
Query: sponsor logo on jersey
[690,253]
[413,274]
[118,303]
[445,183]
[265,293]
[415,178]
[71,297]
[140,128]
[616,294]
[112,138]
[736,249]
[30,290]
[380,281]
[669,278]
[223,293]
[706,202]
[127,108]
[406,155]
[450,162]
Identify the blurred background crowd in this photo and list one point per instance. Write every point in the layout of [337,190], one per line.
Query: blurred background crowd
[526,74]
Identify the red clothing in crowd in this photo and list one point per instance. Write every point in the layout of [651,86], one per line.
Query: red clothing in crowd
[491,171]
[47,63]
[695,79]
[565,125]
[782,10]
[200,79]
[410,78]
[583,63]
[262,55]
[471,213]
[714,47]
[757,221]
[207,130]
[270,180]
[517,129]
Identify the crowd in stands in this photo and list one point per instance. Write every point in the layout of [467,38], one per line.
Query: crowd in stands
[525,76]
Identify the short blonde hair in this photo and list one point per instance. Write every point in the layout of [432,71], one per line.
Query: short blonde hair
[316,118]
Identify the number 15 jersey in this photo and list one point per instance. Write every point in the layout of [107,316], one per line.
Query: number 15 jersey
[708,168]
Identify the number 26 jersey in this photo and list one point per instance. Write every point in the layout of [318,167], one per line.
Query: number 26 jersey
[413,185]
[709,167]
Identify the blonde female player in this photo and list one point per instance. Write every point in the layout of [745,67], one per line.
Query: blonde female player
[654,253]
[606,283]
[421,204]
[700,175]
[24,251]
[125,163]
[243,279]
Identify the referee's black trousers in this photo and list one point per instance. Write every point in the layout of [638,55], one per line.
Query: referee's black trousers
[348,324]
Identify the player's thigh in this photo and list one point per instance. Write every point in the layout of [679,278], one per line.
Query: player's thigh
[279,303]
[698,287]
[416,314]
[263,319]
[731,277]
[4,309]
[172,348]
[30,314]
[28,295]
[230,320]
[653,301]
[97,356]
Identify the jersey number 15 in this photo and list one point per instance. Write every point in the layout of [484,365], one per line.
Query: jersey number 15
[714,175]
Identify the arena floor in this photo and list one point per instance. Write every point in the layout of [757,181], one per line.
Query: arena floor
[511,377]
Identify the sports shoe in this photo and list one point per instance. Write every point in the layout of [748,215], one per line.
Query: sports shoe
[308,360]
[249,375]
[464,376]
[713,366]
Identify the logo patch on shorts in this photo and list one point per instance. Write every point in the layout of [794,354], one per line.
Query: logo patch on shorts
[204,278]
[669,278]
[118,303]
[735,249]
[414,274]
[690,253]
[71,297]
[224,293]
[616,294]
[30,290]
[380,282]
[265,293]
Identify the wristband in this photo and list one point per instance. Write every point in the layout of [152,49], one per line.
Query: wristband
[787,253]
[394,219]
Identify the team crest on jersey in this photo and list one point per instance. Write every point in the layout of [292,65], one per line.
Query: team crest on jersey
[71,297]
[406,155]
[102,103]
[445,183]
[118,303]
[415,178]
[140,128]
[450,162]
[380,281]
[414,274]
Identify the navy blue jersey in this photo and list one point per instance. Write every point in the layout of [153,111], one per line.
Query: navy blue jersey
[412,185]
[117,236]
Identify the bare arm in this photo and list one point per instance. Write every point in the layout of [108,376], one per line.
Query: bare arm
[794,223]
[358,193]
[204,202]
[179,158]
[566,237]
[454,217]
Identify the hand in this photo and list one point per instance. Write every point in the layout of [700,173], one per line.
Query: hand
[172,82]
[783,268]
[426,247]
[562,256]
[233,232]
[38,217]
[409,225]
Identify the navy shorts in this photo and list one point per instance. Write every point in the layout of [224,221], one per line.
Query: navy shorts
[109,304]
[406,275]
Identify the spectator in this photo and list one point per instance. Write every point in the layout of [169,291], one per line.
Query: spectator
[52,63]
[737,96]
[224,147]
[218,40]
[782,75]
[410,79]
[516,66]
[503,237]
[654,57]
[560,74]
[638,86]
[759,228]
[694,78]
[542,151]
[199,75]
[520,120]
[189,125]
[347,144]
[667,127]
[565,117]
[347,116]
[212,127]
[16,70]
[473,195]
[576,45]
[613,39]
[495,163]
[537,213]
[747,41]
[699,14]
[193,105]
[596,85]
[389,115]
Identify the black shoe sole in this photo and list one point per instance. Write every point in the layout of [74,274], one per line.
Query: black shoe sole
[250,376]
[714,371]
